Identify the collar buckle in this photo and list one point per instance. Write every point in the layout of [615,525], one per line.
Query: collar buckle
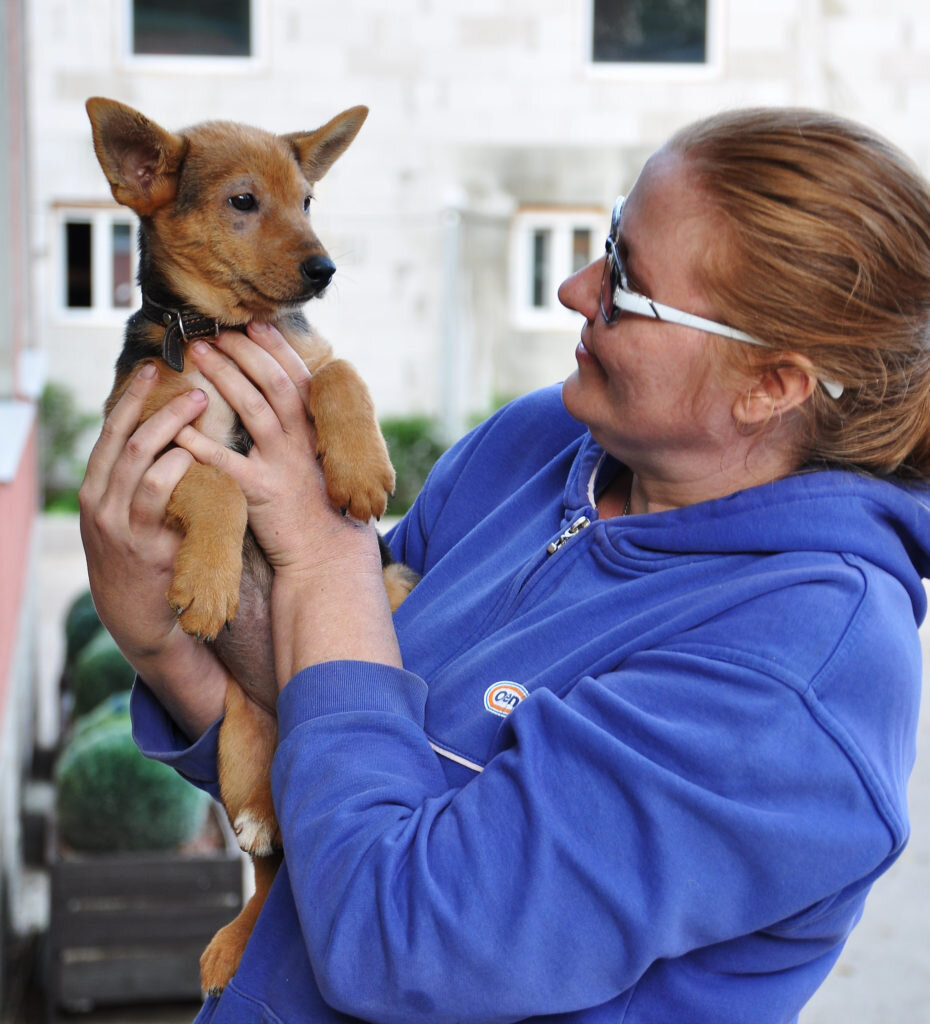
[181,326]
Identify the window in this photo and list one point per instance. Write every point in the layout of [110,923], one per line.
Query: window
[98,261]
[209,28]
[650,31]
[548,245]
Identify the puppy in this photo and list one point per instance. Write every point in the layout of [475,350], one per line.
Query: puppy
[224,239]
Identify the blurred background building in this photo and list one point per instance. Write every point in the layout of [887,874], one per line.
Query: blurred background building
[499,135]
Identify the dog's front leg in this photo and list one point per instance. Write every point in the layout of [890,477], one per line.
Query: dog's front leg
[209,508]
[358,470]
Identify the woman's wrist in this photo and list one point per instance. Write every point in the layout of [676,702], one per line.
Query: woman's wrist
[187,679]
[333,610]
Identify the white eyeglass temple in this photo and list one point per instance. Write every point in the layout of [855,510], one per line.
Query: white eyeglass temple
[632,302]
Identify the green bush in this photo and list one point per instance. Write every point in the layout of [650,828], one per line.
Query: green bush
[114,706]
[82,623]
[414,445]
[61,425]
[98,671]
[110,797]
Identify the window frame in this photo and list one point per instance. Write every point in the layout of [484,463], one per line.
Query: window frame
[562,222]
[657,71]
[102,220]
[190,63]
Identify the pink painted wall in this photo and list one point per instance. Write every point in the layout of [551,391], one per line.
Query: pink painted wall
[18,504]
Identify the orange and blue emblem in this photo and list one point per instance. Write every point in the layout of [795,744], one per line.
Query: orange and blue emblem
[501,698]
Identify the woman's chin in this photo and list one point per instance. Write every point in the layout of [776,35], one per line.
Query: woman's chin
[573,396]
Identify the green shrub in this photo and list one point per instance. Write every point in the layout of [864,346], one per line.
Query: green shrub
[61,426]
[82,623]
[114,706]
[414,445]
[110,797]
[98,671]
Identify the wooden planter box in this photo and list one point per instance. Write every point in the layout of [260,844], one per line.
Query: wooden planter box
[130,927]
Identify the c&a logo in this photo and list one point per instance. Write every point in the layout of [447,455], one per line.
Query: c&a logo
[501,698]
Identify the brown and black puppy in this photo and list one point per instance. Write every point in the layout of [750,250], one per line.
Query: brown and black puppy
[224,239]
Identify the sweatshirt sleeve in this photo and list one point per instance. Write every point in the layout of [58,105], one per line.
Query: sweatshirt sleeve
[157,736]
[608,833]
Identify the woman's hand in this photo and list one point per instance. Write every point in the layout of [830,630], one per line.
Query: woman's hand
[328,599]
[130,551]
[268,385]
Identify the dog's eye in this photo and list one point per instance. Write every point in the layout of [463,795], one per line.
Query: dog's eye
[307,204]
[243,202]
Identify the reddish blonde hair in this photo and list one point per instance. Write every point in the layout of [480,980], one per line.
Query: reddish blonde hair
[824,250]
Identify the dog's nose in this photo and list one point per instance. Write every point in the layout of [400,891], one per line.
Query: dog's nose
[318,271]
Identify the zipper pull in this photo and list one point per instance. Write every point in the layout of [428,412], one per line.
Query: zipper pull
[577,526]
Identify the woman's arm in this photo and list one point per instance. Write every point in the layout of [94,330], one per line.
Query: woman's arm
[130,552]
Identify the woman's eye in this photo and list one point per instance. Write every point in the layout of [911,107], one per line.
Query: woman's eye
[243,202]
[307,204]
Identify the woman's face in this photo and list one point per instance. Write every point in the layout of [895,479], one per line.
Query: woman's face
[646,388]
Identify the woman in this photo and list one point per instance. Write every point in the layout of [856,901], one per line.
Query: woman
[637,745]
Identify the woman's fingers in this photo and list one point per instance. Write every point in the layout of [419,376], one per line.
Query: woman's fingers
[209,452]
[268,337]
[157,485]
[144,444]
[117,427]
[266,383]
[125,449]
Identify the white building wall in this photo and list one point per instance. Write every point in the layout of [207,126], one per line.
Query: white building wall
[489,101]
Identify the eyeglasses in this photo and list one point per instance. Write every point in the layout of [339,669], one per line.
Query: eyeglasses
[617,297]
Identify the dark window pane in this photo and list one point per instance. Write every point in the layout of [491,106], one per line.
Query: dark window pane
[540,265]
[78,291]
[650,31]
[213,28]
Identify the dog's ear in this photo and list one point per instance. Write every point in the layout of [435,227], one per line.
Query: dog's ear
[139,159]
[318,151]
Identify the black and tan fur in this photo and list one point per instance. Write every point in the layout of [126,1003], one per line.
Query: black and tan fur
[225,236]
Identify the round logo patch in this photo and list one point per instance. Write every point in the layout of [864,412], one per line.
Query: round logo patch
[501,698]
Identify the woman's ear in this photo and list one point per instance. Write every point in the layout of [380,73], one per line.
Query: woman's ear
[777,392]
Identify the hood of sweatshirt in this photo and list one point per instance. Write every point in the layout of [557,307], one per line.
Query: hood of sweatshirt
[885,523]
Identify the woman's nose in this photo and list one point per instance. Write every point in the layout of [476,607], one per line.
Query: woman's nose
[582,291]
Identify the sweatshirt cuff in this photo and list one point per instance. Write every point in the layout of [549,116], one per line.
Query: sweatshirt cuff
[337,687]
[158,738]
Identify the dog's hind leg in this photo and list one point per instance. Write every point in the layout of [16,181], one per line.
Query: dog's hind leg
[247,741]
[246,746]
[221,958]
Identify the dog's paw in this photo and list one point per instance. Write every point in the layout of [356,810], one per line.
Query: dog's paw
[220,960]
[205,600]
[255,834]
[359,484]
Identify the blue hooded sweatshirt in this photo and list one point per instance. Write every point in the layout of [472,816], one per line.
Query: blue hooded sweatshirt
[637,770]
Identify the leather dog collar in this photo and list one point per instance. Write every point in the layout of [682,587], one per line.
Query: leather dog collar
[181,326]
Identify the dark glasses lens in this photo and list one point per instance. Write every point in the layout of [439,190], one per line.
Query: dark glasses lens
[612,275]
[609,281]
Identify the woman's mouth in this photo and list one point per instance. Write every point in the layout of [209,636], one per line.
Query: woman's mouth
[586,359]
[583,353]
